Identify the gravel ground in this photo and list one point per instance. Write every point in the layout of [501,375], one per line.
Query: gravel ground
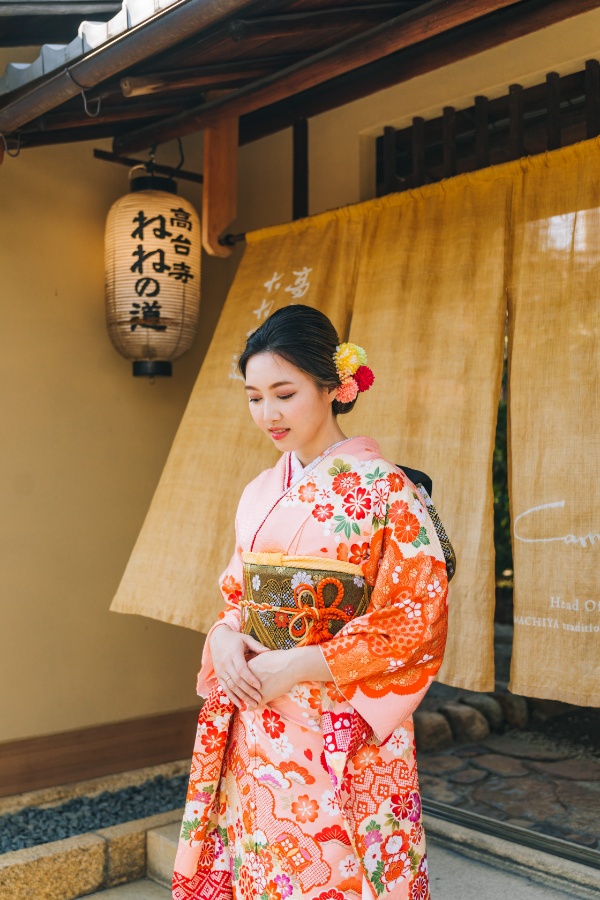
[39,825]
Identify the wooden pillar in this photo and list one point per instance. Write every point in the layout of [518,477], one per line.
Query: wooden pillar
[592,98]
[391,182]
[418,151]
[449,141]
[553,104]
[482,133]
[515,106]
[219,197]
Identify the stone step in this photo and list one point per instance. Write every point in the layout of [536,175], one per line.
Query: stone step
[161,846]
[136,890]
[80,865]
[161,849]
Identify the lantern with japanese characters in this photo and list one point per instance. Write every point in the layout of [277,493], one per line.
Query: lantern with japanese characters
[152,264]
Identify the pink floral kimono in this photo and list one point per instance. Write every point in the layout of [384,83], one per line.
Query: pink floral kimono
[316,795]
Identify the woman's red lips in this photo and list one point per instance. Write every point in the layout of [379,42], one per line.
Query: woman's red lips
[278,433]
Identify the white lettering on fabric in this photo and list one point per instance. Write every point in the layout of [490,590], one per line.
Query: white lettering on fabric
[585,541]
[297,289]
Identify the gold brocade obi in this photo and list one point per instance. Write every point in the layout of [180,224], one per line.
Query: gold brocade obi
[293,601]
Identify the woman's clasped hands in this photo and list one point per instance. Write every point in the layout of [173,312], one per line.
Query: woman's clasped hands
[252,675]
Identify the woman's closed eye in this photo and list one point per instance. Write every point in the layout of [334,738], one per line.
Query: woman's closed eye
[283,397]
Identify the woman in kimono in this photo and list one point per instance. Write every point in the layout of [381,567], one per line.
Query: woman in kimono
[303,780]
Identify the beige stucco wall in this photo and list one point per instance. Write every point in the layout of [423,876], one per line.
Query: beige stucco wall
[83,443]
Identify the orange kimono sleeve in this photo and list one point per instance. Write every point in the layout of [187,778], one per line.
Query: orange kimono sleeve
[231,584]
[384,661]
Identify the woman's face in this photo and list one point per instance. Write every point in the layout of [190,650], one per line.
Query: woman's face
[288,406]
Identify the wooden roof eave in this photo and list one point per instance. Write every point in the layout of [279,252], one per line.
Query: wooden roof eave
[161,32]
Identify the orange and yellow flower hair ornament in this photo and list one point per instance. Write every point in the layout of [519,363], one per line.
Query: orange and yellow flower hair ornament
[355,376]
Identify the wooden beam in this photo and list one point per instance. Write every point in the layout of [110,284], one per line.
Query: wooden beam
[592,97]
[433,54]
[300,166]
[219,198]
[201,77]
[553,104]
[49,760]
[291,24]
[61,120]
[171,171]
[432,18]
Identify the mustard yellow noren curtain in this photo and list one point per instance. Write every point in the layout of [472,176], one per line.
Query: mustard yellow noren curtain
[430,307]
[555,426]
[420,280]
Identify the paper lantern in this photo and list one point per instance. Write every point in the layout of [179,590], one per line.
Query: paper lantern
[152,264]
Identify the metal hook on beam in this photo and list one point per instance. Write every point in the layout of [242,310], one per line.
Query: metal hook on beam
[15,151]
[86,105]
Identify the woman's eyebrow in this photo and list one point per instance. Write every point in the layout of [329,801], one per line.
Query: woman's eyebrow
[276,385]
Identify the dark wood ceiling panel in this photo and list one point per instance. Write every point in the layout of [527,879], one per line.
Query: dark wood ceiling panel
[435,53]
[399,32]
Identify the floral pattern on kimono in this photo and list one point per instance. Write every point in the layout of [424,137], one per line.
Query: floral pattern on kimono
[316,794]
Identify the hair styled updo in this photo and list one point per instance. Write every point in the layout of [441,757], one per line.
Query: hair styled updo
[304,337]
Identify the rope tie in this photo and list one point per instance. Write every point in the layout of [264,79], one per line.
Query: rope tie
[310,618]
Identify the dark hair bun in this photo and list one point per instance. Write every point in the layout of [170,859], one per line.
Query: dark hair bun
[307,339]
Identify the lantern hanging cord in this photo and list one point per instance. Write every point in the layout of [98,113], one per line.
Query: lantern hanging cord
[181,155]
[16,150]
[86,106]
[151,164]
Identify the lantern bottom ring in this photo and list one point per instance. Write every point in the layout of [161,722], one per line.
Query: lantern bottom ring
[150,368]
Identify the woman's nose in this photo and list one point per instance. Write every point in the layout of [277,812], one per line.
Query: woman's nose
[271,412]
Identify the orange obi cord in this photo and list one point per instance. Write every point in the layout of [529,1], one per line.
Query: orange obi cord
[307,622]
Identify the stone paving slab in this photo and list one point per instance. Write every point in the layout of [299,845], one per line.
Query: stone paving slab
[518,778]
[452,877]
[574,769]
[525,747]
[518,866]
